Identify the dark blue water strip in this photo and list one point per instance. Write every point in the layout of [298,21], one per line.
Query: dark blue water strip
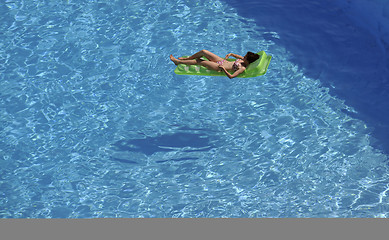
[328,46]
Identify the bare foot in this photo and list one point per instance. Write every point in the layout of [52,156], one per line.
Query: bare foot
[174,59]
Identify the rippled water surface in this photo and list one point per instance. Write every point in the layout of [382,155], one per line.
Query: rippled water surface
[94,123]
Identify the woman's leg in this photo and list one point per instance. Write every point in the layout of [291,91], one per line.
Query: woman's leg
[186,62]
[208,64]
[204,53]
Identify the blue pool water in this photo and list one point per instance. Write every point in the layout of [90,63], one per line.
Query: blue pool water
[94,123]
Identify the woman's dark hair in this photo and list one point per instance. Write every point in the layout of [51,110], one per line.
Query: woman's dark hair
[251,57]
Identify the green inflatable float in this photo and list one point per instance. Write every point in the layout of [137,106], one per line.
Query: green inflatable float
[257,68]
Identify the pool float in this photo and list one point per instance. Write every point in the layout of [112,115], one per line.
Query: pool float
[257,68]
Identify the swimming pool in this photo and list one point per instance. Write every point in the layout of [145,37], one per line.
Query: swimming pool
[94,123]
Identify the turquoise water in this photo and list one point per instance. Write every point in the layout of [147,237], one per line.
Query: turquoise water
[94,123]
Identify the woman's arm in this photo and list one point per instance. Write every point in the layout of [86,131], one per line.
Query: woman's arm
[235,74]
[234,55]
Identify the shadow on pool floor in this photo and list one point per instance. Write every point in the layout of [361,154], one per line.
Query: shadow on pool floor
[190,141]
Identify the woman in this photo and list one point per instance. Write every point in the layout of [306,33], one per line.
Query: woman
[217,63]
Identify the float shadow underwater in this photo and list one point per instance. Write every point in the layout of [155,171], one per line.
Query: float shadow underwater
[182,143]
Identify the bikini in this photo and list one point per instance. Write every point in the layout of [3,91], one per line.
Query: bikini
[221,62]
[235,66]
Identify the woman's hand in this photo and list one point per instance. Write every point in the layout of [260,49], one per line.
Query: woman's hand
[222,68]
